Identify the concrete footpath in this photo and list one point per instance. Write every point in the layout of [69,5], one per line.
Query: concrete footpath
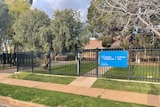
[130,97]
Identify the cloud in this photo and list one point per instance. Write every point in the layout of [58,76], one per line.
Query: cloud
[49,6]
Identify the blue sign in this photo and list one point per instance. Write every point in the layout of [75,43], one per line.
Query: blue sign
[114,58]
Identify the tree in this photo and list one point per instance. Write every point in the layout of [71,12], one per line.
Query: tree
[97,21]
[129,17]
[32,31]
[16,8]
[107,41]
[70,32]
[4,21]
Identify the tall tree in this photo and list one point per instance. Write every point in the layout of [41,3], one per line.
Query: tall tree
[97,21]
[32,31]
[70,32]
[4,21]
[16,7]
[130,17]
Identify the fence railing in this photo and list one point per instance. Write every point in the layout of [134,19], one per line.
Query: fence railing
[7,60]
[143,64]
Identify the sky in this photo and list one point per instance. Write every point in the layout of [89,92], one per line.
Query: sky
[49,6]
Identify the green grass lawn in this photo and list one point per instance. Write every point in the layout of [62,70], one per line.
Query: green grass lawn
[69,69]
[58,99]
[43,78]
[135,72]
[146,88]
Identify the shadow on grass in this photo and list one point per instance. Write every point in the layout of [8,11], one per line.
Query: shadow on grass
[154,89]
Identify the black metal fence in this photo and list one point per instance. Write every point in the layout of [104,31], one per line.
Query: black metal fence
[143,64]
[7,60]
[24,60]
[48,63]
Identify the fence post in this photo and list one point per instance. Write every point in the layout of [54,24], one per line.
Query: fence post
[97,62]
[129,65]
[49,62]
[3,59]
[159,66]
[32,62]
[17,62]
[78,67]
[79,57]
[10,60]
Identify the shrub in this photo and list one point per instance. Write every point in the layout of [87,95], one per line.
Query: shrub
[70,57]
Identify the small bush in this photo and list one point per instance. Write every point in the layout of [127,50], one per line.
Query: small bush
[70,57]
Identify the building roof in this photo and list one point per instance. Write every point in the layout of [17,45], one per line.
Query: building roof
[93,44]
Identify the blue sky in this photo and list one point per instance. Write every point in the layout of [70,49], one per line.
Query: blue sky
[49,6]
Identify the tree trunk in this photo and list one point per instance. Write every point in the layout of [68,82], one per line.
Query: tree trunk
[5,48]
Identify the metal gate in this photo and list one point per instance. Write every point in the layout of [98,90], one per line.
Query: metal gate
[89,63]
[143,65]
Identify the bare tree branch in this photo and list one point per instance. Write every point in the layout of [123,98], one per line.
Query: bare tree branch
[152,28]
[131,10]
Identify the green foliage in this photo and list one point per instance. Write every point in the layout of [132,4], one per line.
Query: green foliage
[99,21]
[17,7]
[69,32]
[107,41]
[4,21]
[32,31]
[71,57]
[104,43]
[93,16]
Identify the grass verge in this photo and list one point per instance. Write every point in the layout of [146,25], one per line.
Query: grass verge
[57,99]
[146,88]
[135,72]
[43,78]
